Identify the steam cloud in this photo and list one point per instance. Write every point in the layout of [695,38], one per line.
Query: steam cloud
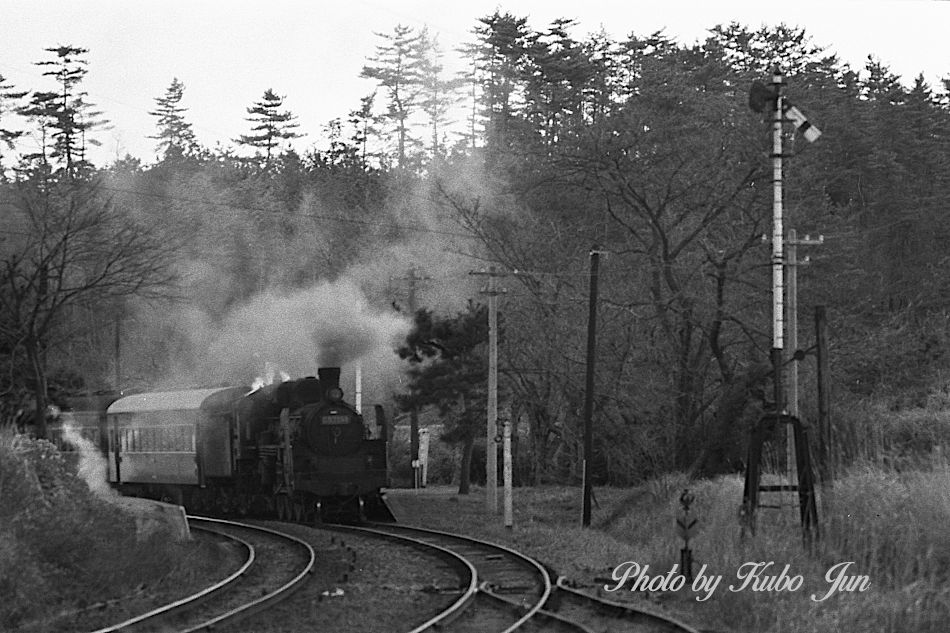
[207,341]
[330,324]
[93,468]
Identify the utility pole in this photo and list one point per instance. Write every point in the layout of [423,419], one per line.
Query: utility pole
[491,446]
[506,456]
[792,244]
[491,438]
[589,388]
[118,354]
[825,437]
[412,279]
[358,400]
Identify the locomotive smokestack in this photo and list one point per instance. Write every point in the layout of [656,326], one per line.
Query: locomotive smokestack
[329,377]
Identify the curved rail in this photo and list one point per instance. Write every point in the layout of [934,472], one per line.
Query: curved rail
[243,610]
[552,622]
[269,598]
[194,598]
[544,610]
[621,612]
[447,615]
[545,586]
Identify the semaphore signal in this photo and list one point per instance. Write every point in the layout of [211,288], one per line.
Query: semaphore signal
[809,131]
[761,96]
[770,98]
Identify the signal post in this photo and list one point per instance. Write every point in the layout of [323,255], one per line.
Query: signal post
[770,99]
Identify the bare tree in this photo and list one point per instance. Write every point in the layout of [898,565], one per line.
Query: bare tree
[67,244]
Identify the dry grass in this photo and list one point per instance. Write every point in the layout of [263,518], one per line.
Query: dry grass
[895,527]
[61,547]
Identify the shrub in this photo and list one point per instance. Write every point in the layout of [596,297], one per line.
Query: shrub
[60,545]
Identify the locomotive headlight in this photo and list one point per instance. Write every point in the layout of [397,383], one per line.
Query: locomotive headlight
[334,394]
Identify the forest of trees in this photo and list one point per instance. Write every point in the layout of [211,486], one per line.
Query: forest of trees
[643,146]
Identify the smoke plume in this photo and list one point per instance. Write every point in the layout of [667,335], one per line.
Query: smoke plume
[327,325]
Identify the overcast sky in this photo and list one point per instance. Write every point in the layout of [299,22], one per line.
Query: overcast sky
[227,53]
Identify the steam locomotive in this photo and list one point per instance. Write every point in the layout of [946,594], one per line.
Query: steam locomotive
[294,449]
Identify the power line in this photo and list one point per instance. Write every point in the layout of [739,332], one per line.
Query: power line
[569,272]
[315,216]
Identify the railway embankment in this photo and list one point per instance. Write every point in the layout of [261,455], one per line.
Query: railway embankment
[65,552]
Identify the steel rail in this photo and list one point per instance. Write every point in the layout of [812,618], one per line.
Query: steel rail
[538,568]
[270,598]
[193,598]
[447,615]
[623,611]
[247,608]
[551,618]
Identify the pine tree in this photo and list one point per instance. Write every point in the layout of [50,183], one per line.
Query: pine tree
[66,114]
[449,371]
[42,110]
[500,54]
[398,67]
[273,126]
[175,136]
[561,71]
[364,125]
[438,94]
[8,95]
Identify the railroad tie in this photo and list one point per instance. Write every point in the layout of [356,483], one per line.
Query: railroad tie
[511,588]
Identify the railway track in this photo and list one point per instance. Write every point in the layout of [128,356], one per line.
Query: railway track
[603,616]
[505,591]
[498,589]
[275,564]
[501,589]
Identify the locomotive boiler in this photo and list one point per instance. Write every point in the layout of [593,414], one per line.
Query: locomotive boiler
[295,449]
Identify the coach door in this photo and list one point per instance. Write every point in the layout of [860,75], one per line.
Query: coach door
[114,461]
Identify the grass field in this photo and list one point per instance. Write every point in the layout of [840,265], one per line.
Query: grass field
[62,549]
[893,527]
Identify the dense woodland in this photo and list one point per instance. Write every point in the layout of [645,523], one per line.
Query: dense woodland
[644,147]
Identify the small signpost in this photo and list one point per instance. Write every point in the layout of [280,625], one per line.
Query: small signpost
[686,527]
[506,465]
[423,457]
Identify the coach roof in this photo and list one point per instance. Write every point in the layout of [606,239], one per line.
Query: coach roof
[187,400]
